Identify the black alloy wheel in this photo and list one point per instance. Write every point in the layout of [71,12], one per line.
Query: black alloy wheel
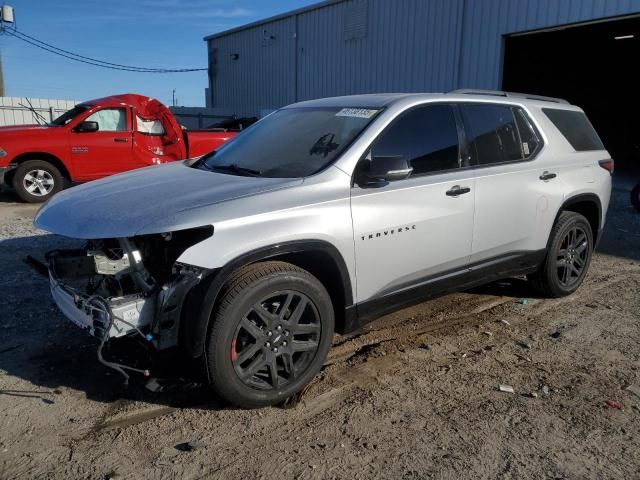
[272,327]
[572,257]
[276,340]
[568,256]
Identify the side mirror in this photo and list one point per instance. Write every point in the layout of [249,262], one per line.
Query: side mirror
[86,127]
[379,171]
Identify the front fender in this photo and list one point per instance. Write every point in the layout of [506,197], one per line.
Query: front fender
[202,299]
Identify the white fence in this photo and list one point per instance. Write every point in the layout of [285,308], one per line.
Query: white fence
[16,110]
[20,111]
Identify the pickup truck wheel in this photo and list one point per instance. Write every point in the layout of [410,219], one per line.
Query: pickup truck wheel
[271,333]
[36,181]
[568,257]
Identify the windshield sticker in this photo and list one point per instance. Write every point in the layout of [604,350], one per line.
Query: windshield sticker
[356,112]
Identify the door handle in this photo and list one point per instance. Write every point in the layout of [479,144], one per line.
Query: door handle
[457,190]
[547,176]
[123,140]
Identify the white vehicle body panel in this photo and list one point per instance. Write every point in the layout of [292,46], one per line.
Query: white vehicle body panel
[510,209]
[410,230]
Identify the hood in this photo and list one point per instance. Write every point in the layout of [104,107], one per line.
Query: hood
[156,199]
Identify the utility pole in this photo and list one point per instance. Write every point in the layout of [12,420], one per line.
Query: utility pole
[7,18]
[1,78]
[173,97]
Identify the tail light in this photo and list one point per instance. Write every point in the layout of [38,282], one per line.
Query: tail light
[607,165]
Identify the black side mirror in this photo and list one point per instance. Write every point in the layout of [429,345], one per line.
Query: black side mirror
[86,127]
[379,171]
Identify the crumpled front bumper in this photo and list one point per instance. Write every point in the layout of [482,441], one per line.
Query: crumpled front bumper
[101,317]
[72,306]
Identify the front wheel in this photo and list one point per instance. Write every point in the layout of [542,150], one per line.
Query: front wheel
[568,256]
[36,181]
[271,333]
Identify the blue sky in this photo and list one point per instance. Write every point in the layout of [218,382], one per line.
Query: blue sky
[146,33]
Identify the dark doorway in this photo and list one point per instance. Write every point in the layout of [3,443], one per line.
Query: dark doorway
[594,66]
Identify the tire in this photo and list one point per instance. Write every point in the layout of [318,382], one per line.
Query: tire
[635,197]
[271,316]
[36,181]
[564,269]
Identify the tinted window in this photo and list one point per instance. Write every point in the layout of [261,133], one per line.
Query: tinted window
[290,143]
[529,138]
[492,133]
[427,137]
[576,128]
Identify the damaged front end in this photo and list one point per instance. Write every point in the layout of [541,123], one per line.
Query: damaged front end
[127,286]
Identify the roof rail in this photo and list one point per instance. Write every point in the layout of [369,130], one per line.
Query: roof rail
[499,93]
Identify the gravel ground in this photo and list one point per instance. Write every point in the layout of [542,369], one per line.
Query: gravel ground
[414,395]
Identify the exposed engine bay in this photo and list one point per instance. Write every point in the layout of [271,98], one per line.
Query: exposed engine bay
[126,286]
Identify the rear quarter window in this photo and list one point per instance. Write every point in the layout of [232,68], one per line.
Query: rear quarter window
[492,133]
[576,128]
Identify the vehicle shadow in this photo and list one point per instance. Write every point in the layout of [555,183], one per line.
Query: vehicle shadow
[41,346]
[508,287]
[8,196]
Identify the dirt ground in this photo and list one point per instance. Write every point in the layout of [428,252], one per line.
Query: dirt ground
[414,395]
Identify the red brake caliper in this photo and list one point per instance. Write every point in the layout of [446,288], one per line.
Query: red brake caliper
[234,354]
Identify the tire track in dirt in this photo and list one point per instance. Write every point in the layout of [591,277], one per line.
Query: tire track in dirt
[354,362]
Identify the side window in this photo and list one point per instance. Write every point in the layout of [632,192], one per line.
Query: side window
[149,127]
[110,119]
[529,138]
[576,128]
[492,133]
[426,136]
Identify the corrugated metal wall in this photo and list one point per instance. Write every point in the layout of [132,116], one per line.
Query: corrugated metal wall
[262,76]
[364,46]
[404,48]
[486,21]
[15,111]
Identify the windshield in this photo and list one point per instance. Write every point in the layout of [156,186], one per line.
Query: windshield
[69,115]
[290,143]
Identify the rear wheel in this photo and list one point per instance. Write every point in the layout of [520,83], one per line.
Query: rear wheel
[568,257]
[36,181]
[271,332]
[635,197]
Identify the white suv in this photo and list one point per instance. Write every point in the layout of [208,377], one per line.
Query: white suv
[324,215]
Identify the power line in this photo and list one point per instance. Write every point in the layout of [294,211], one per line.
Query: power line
[93,61]
[160,70]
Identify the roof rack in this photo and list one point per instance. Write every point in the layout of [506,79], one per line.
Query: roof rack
[499,93]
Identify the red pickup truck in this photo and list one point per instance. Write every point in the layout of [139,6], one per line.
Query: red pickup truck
[94,139]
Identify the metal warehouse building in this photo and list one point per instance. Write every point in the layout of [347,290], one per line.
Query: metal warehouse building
[584,50]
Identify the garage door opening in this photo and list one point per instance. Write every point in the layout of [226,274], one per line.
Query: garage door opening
[594,66]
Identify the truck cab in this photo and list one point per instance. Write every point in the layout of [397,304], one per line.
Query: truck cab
[95,139]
